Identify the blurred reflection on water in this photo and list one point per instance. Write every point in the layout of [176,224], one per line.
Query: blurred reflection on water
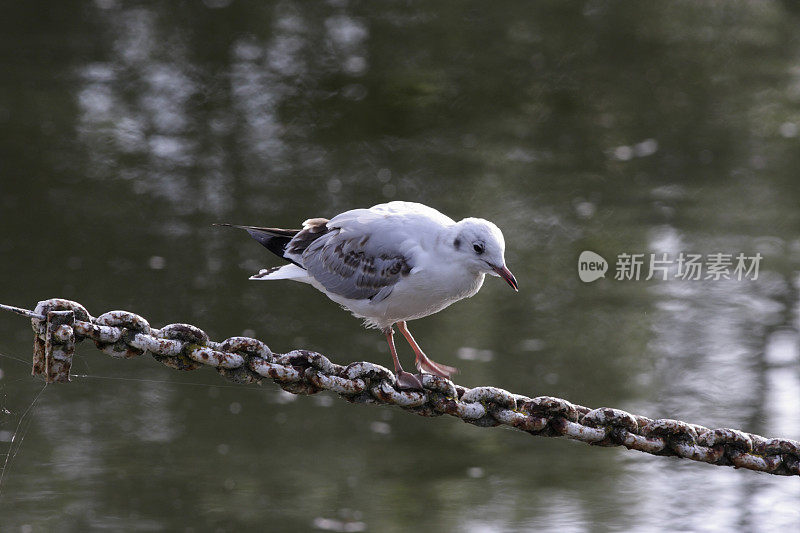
[617,127]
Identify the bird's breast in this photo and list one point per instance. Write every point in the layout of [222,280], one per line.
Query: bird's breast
[427,291]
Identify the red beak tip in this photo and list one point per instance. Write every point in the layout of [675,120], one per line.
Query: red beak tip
[506,274]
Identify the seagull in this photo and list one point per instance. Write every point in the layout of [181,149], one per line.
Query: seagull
[389,264]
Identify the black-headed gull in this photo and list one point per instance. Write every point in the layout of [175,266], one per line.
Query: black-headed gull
[390,264]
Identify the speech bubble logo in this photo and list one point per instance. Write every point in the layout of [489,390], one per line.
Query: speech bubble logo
[591,266]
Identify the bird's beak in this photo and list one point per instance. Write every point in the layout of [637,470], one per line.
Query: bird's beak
[506,274]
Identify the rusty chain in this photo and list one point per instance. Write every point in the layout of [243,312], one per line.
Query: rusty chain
[59,324]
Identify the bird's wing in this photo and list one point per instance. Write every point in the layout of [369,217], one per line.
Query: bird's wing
[359,261]
[404,210]
[313,229]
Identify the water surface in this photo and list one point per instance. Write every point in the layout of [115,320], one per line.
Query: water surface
[127,129]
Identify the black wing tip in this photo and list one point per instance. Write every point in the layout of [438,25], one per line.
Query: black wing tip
[226,225]
[275,232]
[273,239]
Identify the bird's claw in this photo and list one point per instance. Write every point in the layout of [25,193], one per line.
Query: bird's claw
[438,369]
[409,381]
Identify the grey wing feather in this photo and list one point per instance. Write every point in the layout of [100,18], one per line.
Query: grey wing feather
[350,267]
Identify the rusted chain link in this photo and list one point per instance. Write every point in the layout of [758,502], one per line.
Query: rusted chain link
[59,324]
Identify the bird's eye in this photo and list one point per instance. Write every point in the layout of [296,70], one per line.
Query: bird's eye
[478,247]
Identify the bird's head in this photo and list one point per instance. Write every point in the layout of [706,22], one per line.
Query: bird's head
[480,244]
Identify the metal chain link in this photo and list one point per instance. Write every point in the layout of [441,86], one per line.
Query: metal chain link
[59,324]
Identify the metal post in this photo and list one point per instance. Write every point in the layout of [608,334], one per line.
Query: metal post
[52,355]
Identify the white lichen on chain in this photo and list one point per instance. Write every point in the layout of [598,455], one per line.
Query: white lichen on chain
[59,324]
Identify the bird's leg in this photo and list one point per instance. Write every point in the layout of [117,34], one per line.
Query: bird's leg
[423,363]
[405,380]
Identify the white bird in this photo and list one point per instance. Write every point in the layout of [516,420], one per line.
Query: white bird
[389,264]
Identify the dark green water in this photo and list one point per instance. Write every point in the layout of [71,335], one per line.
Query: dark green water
[128,128]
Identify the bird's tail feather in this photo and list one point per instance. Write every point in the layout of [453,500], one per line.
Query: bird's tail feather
[282,272]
